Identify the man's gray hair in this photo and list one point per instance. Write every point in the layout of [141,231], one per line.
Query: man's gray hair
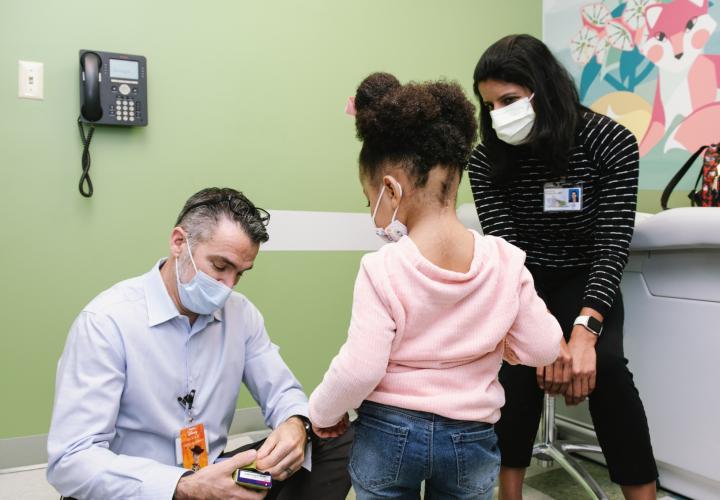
[206,208]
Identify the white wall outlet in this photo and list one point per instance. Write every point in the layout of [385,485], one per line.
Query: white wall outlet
[30,80]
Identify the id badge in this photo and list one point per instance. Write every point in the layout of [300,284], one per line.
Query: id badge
[559,197]
[191,447]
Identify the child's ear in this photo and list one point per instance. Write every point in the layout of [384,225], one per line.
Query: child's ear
[394,189]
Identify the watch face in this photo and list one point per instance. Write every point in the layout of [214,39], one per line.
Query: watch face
[594,325]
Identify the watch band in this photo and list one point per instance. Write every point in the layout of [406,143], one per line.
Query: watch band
[592,324]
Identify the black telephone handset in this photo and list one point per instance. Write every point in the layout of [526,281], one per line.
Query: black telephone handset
[90,108]
[113,91]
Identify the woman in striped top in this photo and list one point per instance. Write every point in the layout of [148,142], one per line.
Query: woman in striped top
[560,182]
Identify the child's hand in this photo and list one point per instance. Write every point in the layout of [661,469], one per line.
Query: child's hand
[336,430]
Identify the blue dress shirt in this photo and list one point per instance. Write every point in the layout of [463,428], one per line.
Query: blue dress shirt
[128,357]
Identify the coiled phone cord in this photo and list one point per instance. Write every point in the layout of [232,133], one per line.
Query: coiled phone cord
[85,162]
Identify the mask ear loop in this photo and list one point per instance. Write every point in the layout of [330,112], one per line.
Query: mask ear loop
[377,203]
[398,207]
[187,240]
[177,266]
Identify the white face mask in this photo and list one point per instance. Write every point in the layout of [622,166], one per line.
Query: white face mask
[202,294]
[396,229]
[514,122]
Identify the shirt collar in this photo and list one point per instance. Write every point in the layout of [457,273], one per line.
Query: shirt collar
[160,305]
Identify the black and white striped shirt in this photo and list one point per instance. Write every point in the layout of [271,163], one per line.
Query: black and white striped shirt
[604,161]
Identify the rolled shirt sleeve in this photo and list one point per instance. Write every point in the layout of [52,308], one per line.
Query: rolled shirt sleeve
[270,381]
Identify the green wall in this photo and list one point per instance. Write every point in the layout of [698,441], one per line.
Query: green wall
[245,94]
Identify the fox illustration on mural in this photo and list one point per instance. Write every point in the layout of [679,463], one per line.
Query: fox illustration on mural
[688,79]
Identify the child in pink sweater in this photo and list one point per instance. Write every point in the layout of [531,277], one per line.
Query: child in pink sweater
[434,313]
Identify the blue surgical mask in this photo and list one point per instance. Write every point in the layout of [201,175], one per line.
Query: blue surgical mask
[202,294]
[396,229]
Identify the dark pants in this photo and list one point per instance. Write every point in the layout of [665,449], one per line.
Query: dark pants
[329,479]
[615,406]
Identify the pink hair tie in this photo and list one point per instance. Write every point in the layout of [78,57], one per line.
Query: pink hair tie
[350,106]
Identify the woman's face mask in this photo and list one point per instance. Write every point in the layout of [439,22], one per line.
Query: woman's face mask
[202,294]
[396,229]
[513,123]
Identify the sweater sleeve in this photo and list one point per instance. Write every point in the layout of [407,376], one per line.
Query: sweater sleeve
[534,338]
[362,361]
[491,202]
[616,150]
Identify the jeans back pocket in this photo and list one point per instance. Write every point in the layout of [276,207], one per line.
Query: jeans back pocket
[478,459]
[377,452]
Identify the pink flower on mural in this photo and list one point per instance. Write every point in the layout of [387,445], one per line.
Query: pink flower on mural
[634,14]
[601,31]
[607,44]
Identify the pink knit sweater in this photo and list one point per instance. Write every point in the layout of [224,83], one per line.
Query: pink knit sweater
[429,339]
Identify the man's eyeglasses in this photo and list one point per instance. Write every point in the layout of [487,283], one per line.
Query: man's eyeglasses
[240,206]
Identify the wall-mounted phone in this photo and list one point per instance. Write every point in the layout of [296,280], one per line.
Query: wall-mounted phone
[113,91]
[113,88]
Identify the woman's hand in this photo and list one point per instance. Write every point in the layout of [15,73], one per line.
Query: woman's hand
[336,430]
[584,365]
[556,378]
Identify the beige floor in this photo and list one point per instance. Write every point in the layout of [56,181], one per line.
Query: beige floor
[29,483]
[26,484]
[562,486]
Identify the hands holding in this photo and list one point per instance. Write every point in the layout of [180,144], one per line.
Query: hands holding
[573,373]
[336,430]
[556,378]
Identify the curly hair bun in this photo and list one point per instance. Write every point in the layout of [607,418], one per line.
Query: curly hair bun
[373,88]
[425,124]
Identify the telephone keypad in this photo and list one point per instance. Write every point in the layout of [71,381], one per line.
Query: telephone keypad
[126,108]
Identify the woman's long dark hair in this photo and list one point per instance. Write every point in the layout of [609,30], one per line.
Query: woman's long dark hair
[525,60]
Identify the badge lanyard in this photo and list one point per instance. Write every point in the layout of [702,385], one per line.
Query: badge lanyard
[191,447]
[191,444]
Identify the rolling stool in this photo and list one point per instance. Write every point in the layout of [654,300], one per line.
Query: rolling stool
[549,449]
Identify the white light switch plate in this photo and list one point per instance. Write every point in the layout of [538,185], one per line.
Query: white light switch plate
[30,80]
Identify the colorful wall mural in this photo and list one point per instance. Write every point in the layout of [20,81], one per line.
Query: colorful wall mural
[652,65]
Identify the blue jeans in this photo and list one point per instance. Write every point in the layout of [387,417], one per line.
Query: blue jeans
[396,449]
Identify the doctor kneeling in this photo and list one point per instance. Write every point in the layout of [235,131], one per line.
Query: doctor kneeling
[147,384]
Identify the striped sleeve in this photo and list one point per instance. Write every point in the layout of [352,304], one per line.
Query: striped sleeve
[491,202]
[615,150]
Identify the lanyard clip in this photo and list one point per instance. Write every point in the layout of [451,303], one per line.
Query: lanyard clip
[187,401]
